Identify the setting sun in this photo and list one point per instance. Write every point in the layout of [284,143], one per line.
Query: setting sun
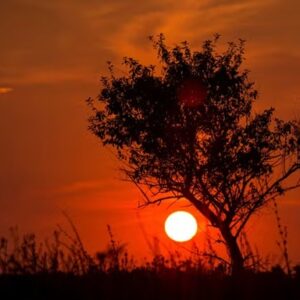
[181,226]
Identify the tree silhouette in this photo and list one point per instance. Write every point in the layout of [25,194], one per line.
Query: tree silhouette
[189,131]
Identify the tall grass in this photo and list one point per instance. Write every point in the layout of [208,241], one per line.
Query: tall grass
[61,268]
[64,252]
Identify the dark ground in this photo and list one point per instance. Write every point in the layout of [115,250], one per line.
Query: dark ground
[144,284]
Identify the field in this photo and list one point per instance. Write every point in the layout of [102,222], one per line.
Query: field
[62,269]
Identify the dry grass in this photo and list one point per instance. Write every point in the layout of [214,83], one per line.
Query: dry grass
[61,268]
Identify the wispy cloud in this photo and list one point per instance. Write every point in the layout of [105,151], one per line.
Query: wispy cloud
[71,40]
[5,90]
[80,187]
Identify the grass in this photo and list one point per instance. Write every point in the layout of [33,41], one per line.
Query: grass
[61,268]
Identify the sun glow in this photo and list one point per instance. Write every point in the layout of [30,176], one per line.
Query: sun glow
[181,226]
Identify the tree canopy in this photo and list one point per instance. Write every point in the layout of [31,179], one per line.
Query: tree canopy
[188,130]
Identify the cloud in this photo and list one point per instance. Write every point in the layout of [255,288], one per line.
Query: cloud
[70,41]
[5,90]
[49,42]
[81,187]
[191,20]
[60,41]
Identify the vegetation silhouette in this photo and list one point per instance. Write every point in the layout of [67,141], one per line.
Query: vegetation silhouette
[190,132]
[61,268]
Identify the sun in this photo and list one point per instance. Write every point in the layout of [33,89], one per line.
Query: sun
[181,226]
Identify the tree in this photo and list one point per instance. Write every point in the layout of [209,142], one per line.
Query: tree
[190,132]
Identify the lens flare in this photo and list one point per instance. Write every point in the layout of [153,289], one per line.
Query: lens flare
[192,93]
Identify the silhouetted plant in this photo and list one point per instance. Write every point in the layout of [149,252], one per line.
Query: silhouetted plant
[54,272]
[282,243]
[190,132]
[62,254]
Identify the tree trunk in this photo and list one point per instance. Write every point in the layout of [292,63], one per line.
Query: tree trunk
[236,257]
[237,260]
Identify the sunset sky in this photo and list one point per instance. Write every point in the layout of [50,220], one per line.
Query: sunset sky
[52,55]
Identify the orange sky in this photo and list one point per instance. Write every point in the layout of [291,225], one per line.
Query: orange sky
[52,55]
